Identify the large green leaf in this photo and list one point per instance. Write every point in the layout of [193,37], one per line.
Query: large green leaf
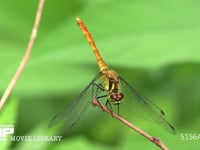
[128,34]
[148,42]
[8,117]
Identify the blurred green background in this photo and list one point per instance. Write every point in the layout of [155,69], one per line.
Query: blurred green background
[153,44]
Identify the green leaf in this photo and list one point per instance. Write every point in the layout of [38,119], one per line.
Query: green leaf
[8,117]
[128,34]
[148,42]
[78,143]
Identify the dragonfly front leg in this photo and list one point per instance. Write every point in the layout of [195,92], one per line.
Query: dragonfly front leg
[108,105]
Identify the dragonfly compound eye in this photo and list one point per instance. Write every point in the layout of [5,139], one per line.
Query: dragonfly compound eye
[116,97]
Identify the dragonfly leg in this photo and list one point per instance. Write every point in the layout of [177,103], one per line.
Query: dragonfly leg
[118,109]
[95,91]
[108,105]
[96,88]
[95,95]
[99,97]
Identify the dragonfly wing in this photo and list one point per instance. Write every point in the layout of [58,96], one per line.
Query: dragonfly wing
[145,106]
[71,113]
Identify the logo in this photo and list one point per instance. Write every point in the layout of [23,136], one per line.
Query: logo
[5,131]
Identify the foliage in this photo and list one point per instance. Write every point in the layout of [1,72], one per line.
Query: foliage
[153,44]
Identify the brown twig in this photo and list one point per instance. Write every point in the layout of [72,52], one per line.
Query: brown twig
[26,55]
[156,141]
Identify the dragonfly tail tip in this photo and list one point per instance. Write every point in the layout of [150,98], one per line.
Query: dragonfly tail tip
[78,19]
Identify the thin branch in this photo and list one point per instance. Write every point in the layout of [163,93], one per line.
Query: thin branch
[26,55]
[156,141]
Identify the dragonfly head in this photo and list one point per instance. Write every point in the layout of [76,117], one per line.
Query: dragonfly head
[116,97]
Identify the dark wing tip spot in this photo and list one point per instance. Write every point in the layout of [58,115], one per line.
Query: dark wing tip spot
[162,112]
[173,129]
[71,124]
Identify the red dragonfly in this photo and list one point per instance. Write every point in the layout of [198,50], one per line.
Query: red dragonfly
[108,86]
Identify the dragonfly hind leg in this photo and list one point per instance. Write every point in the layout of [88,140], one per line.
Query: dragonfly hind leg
[99,87]
[95,93]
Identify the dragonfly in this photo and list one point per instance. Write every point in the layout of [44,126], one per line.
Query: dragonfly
[114,90]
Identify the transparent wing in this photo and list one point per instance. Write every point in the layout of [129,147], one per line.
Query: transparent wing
[73,112]
[141,106]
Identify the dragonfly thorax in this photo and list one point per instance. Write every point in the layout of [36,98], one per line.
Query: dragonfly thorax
[111,83]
